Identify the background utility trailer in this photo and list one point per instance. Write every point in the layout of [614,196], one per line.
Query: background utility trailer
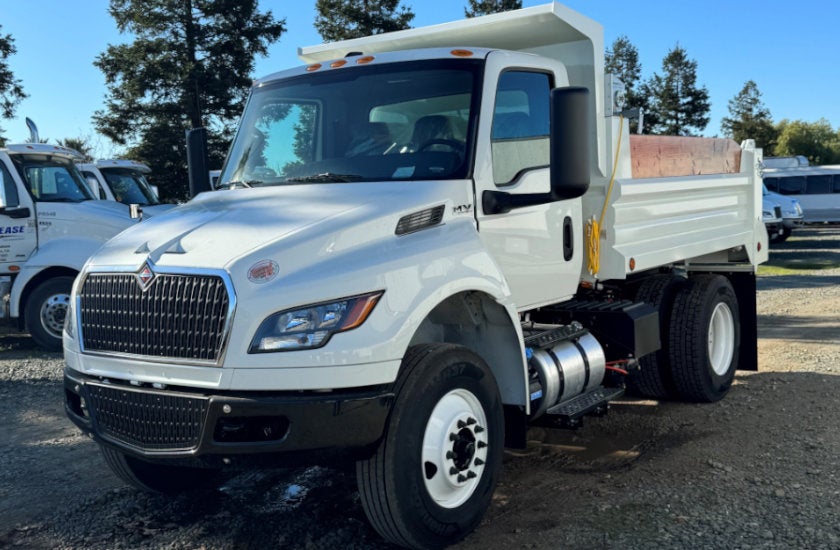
[415,298]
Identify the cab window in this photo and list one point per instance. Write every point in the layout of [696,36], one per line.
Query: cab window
[520,134]
[8,191]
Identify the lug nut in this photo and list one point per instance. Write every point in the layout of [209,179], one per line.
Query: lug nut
[481,444]
[478,462]
[471,475]
[478,429]
[450,455]
[453,471]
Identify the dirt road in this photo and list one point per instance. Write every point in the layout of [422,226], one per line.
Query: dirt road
[758,470]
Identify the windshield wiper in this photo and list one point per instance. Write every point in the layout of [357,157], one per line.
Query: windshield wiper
[326,177]
[64,199]
[235,184]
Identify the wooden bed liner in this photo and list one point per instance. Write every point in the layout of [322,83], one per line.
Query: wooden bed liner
[669,156]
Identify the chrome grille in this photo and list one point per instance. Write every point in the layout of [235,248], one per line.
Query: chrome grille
[177,316]
[150,421]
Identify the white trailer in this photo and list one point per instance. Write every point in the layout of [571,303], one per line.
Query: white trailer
[49,225]
[431,240]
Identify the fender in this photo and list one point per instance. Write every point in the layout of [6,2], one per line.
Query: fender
[69,253]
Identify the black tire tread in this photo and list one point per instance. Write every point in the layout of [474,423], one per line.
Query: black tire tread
[688,334]
[373,474]
[33,316]
[372,491]
[653,377]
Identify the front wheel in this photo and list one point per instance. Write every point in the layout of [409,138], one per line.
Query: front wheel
[432,477]
[46,309]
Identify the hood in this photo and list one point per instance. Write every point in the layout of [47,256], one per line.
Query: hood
[157,209]
[217,228]
[105,214]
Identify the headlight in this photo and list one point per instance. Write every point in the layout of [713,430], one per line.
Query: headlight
[70,319]
[798,208]
[310,327]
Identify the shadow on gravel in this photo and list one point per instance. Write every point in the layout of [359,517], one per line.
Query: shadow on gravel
[800,329]
[775,282]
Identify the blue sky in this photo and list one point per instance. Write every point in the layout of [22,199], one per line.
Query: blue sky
[789,49]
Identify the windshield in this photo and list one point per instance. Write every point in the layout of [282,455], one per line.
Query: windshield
[129,186]
[51,179]
[401,121]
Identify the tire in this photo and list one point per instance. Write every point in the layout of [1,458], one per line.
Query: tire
[45,311]
[154,477]
[704,339]
[432,477]
[653,377]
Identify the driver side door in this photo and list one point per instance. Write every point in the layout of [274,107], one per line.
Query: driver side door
[18,229]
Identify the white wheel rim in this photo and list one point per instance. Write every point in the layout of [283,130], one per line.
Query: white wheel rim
[721,338]
[54,312]
[454,448]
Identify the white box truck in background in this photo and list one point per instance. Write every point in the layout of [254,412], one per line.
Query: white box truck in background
[431,240]
[124,181]
[49,225]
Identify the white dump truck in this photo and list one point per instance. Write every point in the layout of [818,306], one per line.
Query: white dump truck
[124,181]
[425,242]
[49,225]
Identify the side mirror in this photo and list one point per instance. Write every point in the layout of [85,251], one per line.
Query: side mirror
[15,213]
[570,170]
[197,161]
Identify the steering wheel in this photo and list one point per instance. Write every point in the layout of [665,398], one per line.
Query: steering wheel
[455,145]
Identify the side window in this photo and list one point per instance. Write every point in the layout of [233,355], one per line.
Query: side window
[818,185]
[520,134]
[9,198]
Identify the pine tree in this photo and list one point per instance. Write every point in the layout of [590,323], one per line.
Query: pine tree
[11,90]
[478,8]
[750,119]
[344,19]
[189,65]
[677,105]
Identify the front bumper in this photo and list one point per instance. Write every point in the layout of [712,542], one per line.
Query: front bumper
[793,222]
[187,423]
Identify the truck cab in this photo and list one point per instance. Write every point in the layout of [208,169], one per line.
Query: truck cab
[49,224]
[124,181]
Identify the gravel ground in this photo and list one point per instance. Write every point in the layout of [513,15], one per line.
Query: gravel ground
[757,470]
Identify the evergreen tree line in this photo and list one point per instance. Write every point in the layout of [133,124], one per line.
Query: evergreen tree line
[190,65]
[675,104]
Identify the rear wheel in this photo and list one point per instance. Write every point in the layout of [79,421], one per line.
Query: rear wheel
[432,478]
[653,377]
[705,338]
[46,310]
[157,477]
